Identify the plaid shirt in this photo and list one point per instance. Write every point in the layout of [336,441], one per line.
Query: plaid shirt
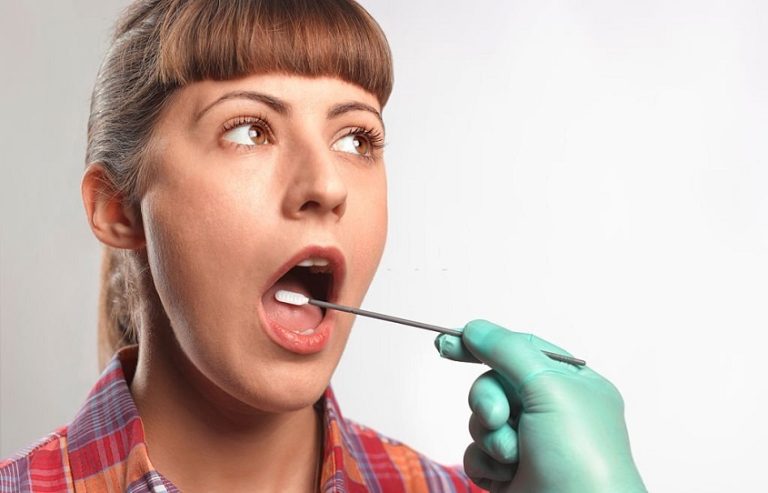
[103,450]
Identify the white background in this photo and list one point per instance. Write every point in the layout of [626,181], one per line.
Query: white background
[593,171]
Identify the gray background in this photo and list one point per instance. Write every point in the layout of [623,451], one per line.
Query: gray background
[592,171]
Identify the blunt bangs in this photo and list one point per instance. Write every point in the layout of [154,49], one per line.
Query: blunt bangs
[223,40]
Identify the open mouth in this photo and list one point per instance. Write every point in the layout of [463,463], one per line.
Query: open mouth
[316,274]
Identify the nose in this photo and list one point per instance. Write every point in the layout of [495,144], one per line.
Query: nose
[315,185]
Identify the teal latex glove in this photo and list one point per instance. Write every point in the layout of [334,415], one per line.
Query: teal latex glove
[538,425]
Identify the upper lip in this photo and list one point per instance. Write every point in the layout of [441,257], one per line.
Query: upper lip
[336,262]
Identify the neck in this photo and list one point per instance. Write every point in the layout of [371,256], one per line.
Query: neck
[201,444]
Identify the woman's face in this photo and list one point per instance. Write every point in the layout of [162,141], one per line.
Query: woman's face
[250,177]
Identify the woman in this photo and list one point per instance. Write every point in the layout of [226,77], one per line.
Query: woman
[234,149]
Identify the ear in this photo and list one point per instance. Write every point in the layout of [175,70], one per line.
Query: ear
[112,221]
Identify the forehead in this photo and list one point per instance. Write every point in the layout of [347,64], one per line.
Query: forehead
[287,94]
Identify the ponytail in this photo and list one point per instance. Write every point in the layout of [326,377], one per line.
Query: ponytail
[117,326]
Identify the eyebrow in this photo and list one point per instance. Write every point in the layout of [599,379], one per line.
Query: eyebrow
[277,105]
[342,108]
[284,108]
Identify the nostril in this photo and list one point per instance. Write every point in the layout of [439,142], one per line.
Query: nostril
[310,204]
[339,209]
[314,205]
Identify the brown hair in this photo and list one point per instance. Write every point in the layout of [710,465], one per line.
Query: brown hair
[161,45]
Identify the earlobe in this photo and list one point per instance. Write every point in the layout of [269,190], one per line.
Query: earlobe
[112,221]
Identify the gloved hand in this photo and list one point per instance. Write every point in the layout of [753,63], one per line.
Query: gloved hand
[539,425]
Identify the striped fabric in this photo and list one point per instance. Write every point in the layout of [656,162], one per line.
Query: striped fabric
[103,450]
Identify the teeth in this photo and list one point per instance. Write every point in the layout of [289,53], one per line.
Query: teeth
[312,262]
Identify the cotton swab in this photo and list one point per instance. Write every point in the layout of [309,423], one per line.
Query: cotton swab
[298,299]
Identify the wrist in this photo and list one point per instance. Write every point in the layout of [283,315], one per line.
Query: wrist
[619,480]
[598,476]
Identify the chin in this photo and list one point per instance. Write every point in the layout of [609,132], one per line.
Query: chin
[273,382]
[286,394]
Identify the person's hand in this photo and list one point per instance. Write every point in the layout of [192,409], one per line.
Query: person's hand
[539,425]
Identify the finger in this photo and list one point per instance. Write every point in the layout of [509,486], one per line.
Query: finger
[488,400]
[500,444]
[450,347]
[499,487]
[516,356]
[479,465]
[485,484]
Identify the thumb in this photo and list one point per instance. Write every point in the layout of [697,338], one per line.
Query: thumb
[515,355]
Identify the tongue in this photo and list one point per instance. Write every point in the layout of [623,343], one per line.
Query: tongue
[294,318]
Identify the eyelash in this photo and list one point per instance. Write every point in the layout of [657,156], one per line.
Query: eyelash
[243,120]
[374,137]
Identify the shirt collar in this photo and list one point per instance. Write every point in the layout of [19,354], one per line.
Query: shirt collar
[107,449]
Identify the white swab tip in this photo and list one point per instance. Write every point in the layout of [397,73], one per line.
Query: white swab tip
[291,298]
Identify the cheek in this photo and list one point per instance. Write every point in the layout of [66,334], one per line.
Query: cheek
[367,233]
[197,240]
[378,204]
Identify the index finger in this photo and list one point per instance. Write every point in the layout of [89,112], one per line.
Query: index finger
[516,356]
[451,347]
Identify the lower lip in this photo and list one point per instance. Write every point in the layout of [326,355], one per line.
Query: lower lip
[295,342]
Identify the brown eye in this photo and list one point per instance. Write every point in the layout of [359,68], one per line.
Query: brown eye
[249,134]
[257,134]
[353,144]
[361,145]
